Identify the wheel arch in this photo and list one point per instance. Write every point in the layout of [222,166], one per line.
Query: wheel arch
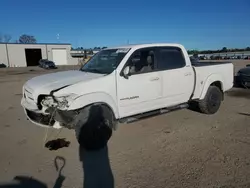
[212,80]
[98,98]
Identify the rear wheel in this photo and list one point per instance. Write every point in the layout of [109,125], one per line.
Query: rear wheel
[94,129]
[212,101]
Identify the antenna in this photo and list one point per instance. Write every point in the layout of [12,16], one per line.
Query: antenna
[128,41]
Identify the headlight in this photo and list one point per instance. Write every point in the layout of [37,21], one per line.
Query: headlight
[47,101]
[65,100]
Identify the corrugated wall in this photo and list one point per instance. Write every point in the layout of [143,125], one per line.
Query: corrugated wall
[15,54]
[3,54]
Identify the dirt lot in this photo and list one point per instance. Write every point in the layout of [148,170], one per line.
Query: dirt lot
[179,149]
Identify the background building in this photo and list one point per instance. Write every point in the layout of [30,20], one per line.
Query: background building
[23,55]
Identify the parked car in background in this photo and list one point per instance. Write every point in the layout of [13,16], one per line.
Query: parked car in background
[216,57]
[47,64]
[194,59]
[202,57]
[2,65]
[234,57]
[243,77]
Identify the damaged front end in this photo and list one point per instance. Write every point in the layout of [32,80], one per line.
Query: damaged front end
[50,110]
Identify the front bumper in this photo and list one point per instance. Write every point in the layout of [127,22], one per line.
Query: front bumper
[37,117]
[55,118]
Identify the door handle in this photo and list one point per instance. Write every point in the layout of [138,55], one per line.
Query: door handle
[188,74]
[154,79]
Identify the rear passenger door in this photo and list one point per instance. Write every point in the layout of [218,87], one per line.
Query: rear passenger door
[177,77]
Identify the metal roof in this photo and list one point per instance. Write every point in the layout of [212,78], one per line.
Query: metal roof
[36,43]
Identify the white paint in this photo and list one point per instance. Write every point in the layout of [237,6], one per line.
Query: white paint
[44,84]
[178,85]
[139,93]
[146,90]
[209,74]
[60,56]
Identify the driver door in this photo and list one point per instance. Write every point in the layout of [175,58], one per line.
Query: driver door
[141,90]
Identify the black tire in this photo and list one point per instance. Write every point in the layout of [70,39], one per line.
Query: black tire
[94,129]
[212,101]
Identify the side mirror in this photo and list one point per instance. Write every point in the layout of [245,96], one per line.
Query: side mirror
[126,72]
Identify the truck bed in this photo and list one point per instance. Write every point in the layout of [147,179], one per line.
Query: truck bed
[223,71]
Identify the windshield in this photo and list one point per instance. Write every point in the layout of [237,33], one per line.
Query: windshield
[105,61]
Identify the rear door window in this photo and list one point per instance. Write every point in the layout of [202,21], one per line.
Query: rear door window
[170,58]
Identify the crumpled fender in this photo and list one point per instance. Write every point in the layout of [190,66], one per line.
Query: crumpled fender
[210,79]
[92,98]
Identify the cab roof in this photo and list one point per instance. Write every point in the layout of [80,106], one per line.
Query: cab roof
[146,45]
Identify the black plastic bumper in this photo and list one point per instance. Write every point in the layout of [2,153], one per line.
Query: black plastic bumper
[242,80]
[40,118]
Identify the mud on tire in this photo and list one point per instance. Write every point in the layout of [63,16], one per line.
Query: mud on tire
[212,101]
[94,127]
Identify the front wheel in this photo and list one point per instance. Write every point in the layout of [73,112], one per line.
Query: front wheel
[212,101]
[94,127]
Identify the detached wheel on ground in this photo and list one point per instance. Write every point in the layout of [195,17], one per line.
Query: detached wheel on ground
[212,101]
[94,129]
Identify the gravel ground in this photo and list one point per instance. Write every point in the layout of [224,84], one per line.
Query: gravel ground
[179,149]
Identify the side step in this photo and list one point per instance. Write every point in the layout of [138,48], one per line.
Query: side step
[152,113]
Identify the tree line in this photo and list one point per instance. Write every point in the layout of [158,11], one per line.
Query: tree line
[95,48]
[223,50]
[23,39]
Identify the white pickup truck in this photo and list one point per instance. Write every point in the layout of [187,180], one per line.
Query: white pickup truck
[124,84]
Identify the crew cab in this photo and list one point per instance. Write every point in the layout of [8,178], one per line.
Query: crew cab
[126,83]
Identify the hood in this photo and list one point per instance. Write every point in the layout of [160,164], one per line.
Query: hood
[46,83]
[245,70]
